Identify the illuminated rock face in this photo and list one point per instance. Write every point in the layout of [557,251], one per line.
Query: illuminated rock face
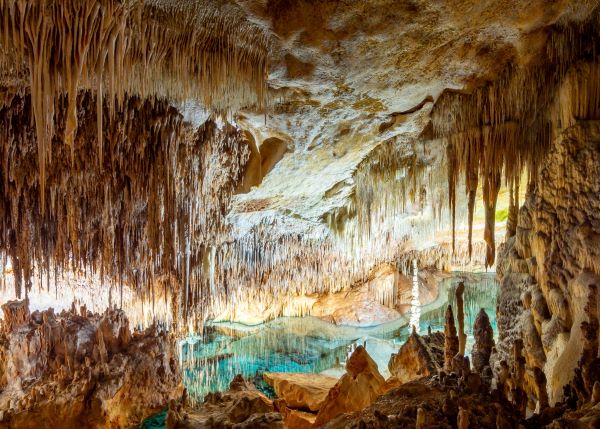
[552,259]
[419,357]
[355,390]
[301,390]
[79,368]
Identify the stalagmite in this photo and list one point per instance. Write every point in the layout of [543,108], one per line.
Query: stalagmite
[484,341]
[451,345]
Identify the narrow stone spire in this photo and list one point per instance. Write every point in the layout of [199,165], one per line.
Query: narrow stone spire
[484,341]
[451,340]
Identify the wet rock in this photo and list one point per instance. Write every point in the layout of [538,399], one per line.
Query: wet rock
[242,406]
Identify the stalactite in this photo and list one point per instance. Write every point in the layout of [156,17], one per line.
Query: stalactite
[192,50]
[504,127]
[130,217]
[491,187]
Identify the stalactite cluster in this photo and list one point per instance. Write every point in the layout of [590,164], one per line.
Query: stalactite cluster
[504,128]
[396,206]
[149,48]
[141,216]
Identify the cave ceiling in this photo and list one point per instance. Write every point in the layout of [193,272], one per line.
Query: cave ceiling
[340,111]
[345,77]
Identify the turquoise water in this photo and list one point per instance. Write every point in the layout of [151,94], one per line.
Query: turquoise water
[308,344]
[210,361]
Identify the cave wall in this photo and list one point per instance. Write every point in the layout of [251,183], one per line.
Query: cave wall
[553,261]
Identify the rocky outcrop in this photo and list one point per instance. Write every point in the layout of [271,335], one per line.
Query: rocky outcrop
[419,357]
[242,407]
[552,260]
[301,390]
[357,306]
[79,369]
[294,419]
[431,403]
[356,390]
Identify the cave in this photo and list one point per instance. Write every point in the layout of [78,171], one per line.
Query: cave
[299,214]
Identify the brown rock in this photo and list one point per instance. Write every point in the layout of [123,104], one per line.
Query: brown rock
[451,339]
[15,313]
[79,382]
[414,360]
[484,341]
[357,389]
[295,419]
[242,406]
[300,390]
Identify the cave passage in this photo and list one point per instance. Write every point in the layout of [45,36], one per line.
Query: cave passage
[270,214]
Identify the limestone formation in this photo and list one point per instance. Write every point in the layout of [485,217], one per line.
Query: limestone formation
[243,160]
[357,389]
[450,339]
[242,406]
[82,369]
[419,357]
[301,390]
[484,341]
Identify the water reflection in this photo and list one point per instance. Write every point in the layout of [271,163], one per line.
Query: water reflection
[415,301]
[308,344]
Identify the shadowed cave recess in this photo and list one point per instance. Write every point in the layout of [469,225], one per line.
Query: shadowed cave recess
[299,214]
